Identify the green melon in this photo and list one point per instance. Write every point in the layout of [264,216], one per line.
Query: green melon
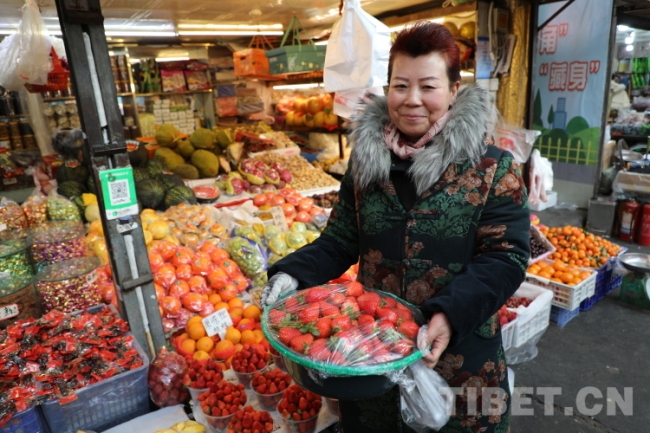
[150,192]
[79,173]
[71,188]
[179,194]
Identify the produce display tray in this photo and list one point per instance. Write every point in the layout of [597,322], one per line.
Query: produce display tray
[565,296]
[533,319]
[28,421]
[561,317]
[539,237]
[606,282]
[507,334]
[104,404]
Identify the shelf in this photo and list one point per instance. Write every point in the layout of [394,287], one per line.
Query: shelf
[308,129]
[14,116]
[188,92]
[72,98]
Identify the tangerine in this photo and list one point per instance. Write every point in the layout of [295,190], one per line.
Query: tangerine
[246,324]
[259,335]
[193,302]
[236,302]
[155,261]
[205,343]
[241,282]
[188,345]
[171,305]
[196,331]
[237,311]
[219,305]
[193,319]
[201,265]
[247,337]
[219,254]
[228,292]
[184,272]
[252,312]
[217,278]
[233,335]
[198,285]
[201,355]
[179,289]
[214,298]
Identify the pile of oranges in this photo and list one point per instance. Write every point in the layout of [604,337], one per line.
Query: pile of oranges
[245,330]
[559,272]
[580,248]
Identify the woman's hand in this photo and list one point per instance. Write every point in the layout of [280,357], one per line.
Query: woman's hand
[438,336]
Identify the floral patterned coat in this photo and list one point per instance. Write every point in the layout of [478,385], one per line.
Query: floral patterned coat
[462,249]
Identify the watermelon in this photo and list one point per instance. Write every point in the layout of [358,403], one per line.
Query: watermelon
[179,194]
[155,168]
[140,173]
[71,188]
[150,192]
[138,154]
[77,173]
[171,180]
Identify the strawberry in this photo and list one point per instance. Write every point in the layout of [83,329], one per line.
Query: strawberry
[316,294]
[403,347]
[365,319]
[410,329]
[369,302]
[310,313]
[287,334]
[354,289]
[276,316]
[301,343]
[387,314]
[390,302]
[337,298]
[403,315]
[328,310]
[341,323]
[323,327]
[319,350]
[292,304]
[350,307]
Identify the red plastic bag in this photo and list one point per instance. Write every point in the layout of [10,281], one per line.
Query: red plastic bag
[166,374]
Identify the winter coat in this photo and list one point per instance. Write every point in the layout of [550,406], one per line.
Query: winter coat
[462,249]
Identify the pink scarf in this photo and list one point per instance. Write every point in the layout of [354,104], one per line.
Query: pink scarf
[404,149]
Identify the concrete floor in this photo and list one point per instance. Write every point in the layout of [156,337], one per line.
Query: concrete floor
[606,348]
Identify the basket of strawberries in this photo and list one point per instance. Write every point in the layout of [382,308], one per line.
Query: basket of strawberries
[340,340]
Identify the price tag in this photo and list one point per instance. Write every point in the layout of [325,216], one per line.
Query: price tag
[217,323]
[91,277]
[279,219]
[118,189]
[8,311]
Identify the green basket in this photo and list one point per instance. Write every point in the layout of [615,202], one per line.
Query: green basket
[296,58]
[341,370]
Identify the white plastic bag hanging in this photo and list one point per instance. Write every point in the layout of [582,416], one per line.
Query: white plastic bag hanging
[541,178]
[357,51]
[26,53]
[517,141]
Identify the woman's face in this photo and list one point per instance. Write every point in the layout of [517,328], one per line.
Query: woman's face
[419,93]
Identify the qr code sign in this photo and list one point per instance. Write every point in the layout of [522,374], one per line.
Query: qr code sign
[119,192]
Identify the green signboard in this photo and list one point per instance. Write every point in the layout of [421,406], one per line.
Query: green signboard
[118,190]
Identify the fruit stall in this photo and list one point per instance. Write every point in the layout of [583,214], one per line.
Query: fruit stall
[210,236]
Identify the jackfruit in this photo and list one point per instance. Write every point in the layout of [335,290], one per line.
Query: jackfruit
[167,135]
[224,136]
[206,162]
[202,139]
[170,158]
[186,171]
[185,149]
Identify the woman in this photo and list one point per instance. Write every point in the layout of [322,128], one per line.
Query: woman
[435,214]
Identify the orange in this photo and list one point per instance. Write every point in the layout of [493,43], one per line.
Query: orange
[259,335]
[247,337]
[205,343]
[237,311]
[228,292]
[196,331]
[188,345]
[201,355]
[236,318]
[252,312]
[181,338]
[233,335]
[193,319]
[219,305]
[236,302]
[214,298]
[238,347]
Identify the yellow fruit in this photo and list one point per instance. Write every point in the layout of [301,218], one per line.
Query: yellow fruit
[252,312]
[148,237]
[148,218]
[196,331]
[89,199]
[179,426]
[188,345]
[201,355]
[96,227]
[159,229]
[193,320]
[194,429]
[233,335]
[205,344]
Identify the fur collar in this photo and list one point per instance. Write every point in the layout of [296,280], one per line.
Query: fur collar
[461,140]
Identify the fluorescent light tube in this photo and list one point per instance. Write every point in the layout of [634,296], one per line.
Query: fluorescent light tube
[298,86]
[229,33]
[120,33]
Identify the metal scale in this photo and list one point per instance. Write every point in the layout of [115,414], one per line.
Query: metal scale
[636,284]
[92,79]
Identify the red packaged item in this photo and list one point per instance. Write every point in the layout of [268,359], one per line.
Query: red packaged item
[166,374]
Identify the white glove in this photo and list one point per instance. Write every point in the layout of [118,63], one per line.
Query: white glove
[278,285]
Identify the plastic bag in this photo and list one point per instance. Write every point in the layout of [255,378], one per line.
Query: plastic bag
[60,208]
[248,255]
[166,374]
[12,216]
[517,141]
[35,208]
[27,52]
[426,400]
[541,178]
[357,51]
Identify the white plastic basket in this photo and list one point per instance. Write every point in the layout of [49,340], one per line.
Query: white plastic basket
[539,237]
[565,296]
[533,319]
[507,332]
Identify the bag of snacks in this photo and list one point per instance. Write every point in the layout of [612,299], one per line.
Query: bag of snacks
[166,374]
[60,208]
[35,208]
[12,216]
[248,254]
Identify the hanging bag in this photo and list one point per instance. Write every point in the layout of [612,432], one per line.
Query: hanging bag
[298,57]
[357,51]
[252,61]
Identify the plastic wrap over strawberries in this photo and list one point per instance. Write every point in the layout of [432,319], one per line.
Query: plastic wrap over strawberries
[344,325]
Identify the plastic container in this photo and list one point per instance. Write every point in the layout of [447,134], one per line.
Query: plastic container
[541,239]
[69,285]
[302,426]
[278,360]
[18,300]
[57,241]
[268,401]
[606,282]
[196,392]
[14,257]
[104,404]
[565,296]
[561,317]
[218,424]
[28,421]
[507,333]
[245,378]
[533,319]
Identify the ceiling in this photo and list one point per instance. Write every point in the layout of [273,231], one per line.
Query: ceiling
[167,15]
